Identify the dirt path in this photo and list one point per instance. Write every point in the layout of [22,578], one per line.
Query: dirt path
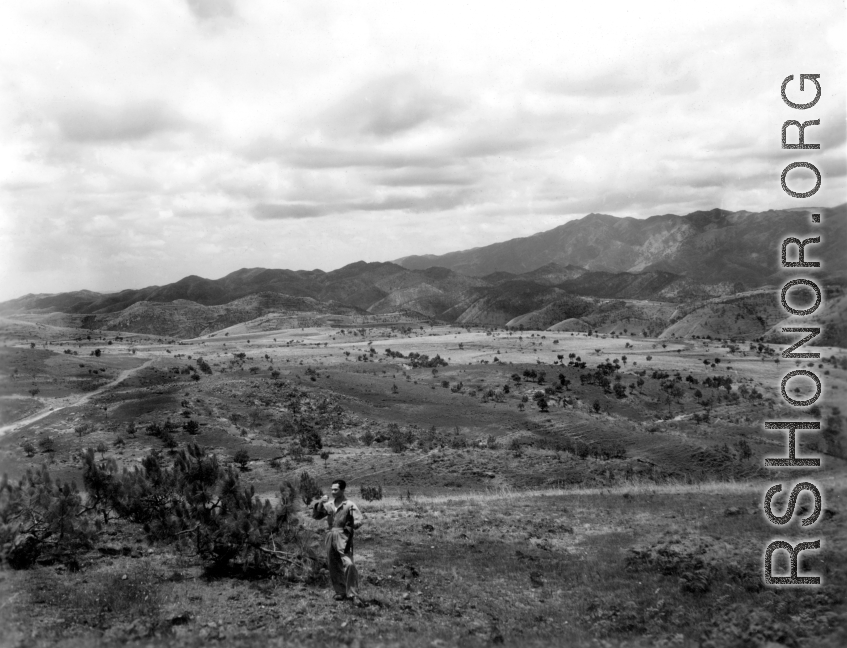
[69,402]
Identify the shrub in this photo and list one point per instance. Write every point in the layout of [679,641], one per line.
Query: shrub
[199,500]
[310,439]
[308,487]
[457,442]
[47,444]
[242,458]
[370,493]
[398,440]
[42,517]
[168,439]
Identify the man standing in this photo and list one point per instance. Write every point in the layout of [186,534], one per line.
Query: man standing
[343,517]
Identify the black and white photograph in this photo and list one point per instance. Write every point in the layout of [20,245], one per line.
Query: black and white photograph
[448,324]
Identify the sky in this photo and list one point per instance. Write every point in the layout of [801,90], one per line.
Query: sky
[146,141]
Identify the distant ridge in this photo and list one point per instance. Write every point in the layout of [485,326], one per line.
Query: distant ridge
[714,246]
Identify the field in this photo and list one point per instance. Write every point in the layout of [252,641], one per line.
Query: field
[540,488]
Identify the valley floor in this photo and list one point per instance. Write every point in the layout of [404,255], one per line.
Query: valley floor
[595,519]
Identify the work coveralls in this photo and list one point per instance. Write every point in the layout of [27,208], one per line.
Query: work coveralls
[342,520]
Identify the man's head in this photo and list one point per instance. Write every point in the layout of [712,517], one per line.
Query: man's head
[338,487]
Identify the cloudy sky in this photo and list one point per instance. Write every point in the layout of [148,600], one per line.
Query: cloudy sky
[146,141]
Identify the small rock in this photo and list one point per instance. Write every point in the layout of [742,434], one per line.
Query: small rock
[111,549]
[732,510]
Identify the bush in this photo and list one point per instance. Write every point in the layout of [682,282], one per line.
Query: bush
[310,439]
[168,439]
[308,487]
[398,440]
[40,517]
[200,501]
[242,458]
[457,442]
[46,444]
[370,493]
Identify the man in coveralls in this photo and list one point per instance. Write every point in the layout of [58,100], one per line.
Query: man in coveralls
[343,516]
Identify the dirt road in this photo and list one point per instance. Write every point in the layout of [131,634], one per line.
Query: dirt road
[64,403]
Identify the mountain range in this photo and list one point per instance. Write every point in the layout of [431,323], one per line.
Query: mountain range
[706,246]
[599,272]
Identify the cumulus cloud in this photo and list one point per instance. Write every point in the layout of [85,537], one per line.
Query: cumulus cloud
[431,200]
[210,9]
[98,123]
[286,134]
[386,107]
